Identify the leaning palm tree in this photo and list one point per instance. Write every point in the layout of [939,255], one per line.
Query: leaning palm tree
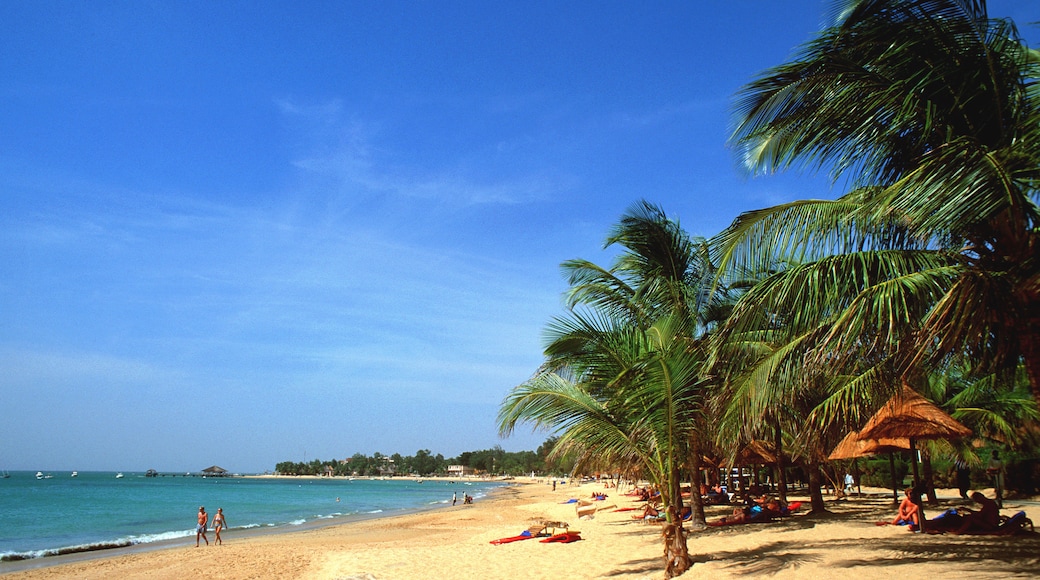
[929,109]
[661,272]
[623,368]
[624,399]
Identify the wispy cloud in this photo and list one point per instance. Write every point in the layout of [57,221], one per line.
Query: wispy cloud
[347,152]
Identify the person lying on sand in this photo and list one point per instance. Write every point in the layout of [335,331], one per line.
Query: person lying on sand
[649,512]
[772,508]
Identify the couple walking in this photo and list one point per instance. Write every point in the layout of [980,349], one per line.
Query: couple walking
[219,523]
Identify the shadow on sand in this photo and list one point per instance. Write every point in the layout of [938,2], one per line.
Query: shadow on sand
[1011,555]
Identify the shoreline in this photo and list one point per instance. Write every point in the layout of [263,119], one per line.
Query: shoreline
[106,549]
[455,542]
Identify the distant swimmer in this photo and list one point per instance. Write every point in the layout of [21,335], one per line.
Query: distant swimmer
[219,523]
[200,529]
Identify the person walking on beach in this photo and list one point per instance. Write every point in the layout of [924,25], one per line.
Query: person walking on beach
[200,529]
[963,477]
[219,523]
[454,498]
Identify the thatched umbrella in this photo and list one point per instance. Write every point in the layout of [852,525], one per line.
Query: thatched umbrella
[852,447]
[757,452]
[909,415]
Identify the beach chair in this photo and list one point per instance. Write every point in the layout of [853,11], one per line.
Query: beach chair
[1012,525]
[535,531]
[585,510]
[552,528]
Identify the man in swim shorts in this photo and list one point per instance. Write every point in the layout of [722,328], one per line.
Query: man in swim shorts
[200,529]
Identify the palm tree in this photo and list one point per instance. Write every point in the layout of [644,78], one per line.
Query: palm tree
[929,109]
[625,402]
[996,408]
[622,379]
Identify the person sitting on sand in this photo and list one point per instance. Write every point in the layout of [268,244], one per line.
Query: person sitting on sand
[987,519]
[909,512]
[717,496]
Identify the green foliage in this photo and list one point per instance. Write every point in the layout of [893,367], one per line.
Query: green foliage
[494,461]
[876,472]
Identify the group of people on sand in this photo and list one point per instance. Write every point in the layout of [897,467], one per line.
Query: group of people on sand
[760,508]
[955,521]
[714,495]
[219,523]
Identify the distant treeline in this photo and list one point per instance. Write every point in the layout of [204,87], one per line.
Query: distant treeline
[495,461]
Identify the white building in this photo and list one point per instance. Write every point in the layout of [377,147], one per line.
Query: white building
[460,470]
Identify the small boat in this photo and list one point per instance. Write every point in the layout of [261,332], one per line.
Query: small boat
[39,475]
[119,475]
[75,474]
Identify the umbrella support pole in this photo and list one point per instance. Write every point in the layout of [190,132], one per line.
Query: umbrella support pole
[892,471]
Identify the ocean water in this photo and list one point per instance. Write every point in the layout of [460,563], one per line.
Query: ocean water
[96,510]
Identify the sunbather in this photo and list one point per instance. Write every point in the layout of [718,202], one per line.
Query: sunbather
[987,519]
[649,512]
[909,513]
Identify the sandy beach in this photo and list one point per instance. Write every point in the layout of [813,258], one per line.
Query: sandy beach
[454,542]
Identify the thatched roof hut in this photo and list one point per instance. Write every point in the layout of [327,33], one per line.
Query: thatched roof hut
[215,471]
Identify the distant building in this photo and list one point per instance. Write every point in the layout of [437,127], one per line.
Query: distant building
[215,471]
[460,470]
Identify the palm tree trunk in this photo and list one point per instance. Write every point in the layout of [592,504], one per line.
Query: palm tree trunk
[697,519]
[781,469]
[1029,344]
[926,466]
[815,488]
[676,552]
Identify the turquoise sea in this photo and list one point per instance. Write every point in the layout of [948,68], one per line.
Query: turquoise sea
[97,510]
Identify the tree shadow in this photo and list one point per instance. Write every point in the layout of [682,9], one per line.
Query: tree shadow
[1011,556]
[641,567]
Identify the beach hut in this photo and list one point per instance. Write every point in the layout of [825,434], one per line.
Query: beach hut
[215,471]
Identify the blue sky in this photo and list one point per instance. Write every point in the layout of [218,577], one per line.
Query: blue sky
[238,233]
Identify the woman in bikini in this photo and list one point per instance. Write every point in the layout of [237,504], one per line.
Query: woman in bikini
[219,523]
